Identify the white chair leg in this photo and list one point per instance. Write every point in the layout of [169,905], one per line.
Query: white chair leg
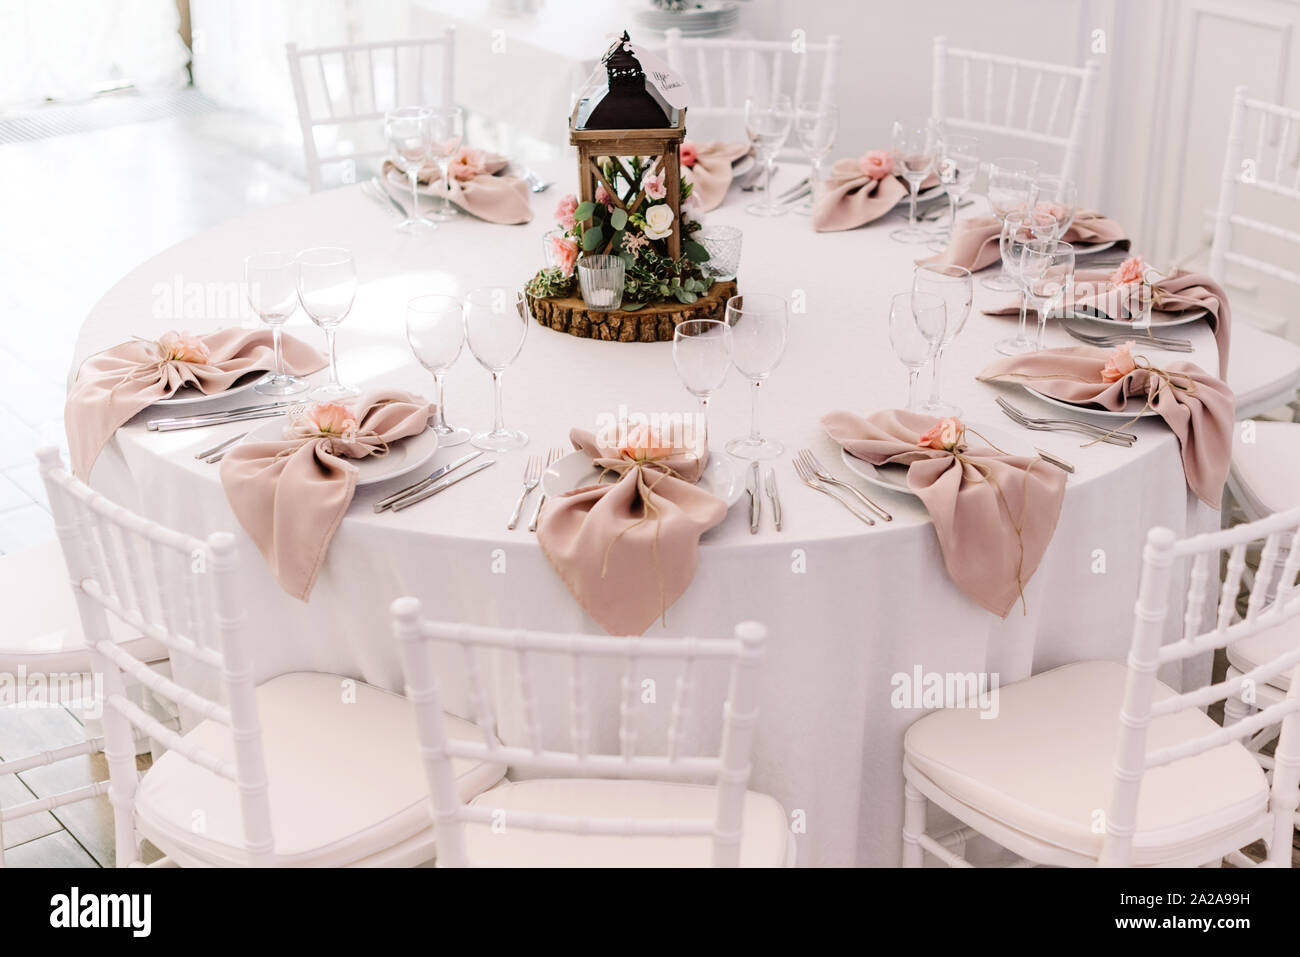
[1234,709]
[913,825]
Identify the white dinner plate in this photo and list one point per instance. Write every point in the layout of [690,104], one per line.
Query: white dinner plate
[894,477]
[405,455]
[721,477]
[1081,249]
[1091,409]
[742,166]
[189,395]
[1180,319]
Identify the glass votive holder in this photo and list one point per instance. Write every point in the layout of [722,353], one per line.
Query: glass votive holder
[601,279]
[548,246]
[723,246]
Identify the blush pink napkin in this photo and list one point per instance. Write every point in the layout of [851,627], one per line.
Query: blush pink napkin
[975,504]
[495,198]
[849,198]
[1200,413]
[975,242]
[290,494]
[113,386]
[711,173]
[628,550]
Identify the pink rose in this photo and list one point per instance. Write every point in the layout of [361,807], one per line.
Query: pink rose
[945,435]
[466,164]
[643,443]
[603,197]
[565,253]
[654,186]
[564,212]
[690,154]
[1130,271]
[182,347]
[876,164]
[331,419]
[1119,363]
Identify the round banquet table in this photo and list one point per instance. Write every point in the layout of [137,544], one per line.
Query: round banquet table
[848,607]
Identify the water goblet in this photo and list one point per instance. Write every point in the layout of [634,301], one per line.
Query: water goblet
[702,355]
[768,121]
[916,327]
[496,323]
[409,130]
[915,148]
[815,125]
[958,164]
[327,287]
[953,285]
[435,329]
[1011,188]
[759,327]
[1018,229]
[1047,266]
[447,132]
[271,279]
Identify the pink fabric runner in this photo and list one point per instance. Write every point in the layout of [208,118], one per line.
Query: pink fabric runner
[495,198]
[711,173]
[975,241]
[850,198]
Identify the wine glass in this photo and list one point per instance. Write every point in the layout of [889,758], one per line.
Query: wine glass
[1012,186]
[916,327]
[496,322]
[702,354]
[1017,229]
[271,279]
[767,121]
[759,326]
[327,286]
[447,132]
[815,125]
[958,164]
[1047,266]
[408,130]
[915,148]
[435,329]
[953,285]
[1059,197]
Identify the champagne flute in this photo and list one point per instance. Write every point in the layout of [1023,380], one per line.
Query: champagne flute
[1048,268]
[1012,187]
[496,322]
[271,279]
[327,287]
[447,125]
[916,327]
[759,326]
[958,164]
[435,329]
[1059,197]
[815,125]
[767,121]
[408,130]
[915,148]
[1017,229]
[953,285]
[702,354]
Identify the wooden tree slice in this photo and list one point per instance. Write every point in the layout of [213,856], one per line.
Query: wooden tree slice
[653,323]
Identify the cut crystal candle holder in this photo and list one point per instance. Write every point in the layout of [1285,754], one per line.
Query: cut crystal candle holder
[723,246]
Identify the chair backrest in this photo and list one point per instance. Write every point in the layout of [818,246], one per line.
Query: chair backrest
[1273,169]
[343,92]
[729,768]
[1021,99]
[182,592]
[1274,598]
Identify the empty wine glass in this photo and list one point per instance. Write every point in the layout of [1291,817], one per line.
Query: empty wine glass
[702,354]
[271,279]
[447,132]
[1017,229]
[916,327]
[1047,266]
[1059,197]
[496,322]
[953,285]
[958,164]
[435,328]
[815,124]
[759,326]
[1012,187]
[409,130]
[327,286]
[767,121]
[915,148]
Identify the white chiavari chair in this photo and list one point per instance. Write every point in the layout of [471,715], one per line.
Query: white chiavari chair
[1101,763]
[625,806]
[305,769]
[1040,103]
[342,93]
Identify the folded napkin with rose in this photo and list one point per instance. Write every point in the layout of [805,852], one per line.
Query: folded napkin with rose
[708,166]
[859,191]
[113,386]
[627,550]
[994,512]
[475,182]
[974,242]
[1196,406]
[291,493]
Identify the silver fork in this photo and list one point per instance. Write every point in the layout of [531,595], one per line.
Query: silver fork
[1160,342]
[806,476]
[1125,439]
[815,466]
[552,457]
[532,475]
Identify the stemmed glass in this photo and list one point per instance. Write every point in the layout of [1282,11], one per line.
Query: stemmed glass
[768,121]
[1059,197]
[1013,184]
[915,148]
[447,132]
[759,326]
[958,164]
[435,328]
[1017,229]
[953,285]
[702,354]
[916,326]
[815,124]
[408,131]
[327,286]
[271,279]
[1047,266]
[496,322]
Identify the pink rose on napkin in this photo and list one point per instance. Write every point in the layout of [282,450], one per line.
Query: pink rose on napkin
[466,164]
[1119,363]
[565,251]
[182,347]
[653,184]
[1130,271]
[876,164]
[564,212]
[644,444]
[945,435]
[330,418]
[690,154]
[1055,210]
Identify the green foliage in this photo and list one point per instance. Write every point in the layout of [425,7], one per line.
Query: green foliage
[549,283]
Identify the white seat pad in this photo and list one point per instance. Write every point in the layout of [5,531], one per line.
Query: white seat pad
[1045,765]
[1246,654]
[1262,370]
[346,778]
[764,841]
[1267,470]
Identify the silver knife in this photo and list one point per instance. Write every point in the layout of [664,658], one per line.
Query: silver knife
[218,449]
[1056,460]
[420,486]
[776,499]
[755,503]
[197,423]
[446,483]
[152,424]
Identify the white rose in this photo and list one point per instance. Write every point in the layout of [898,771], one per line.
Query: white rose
[659,221]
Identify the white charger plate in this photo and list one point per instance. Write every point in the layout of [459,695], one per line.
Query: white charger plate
[405,455]
[894,477]
[1182,319]
[1081,249]
[1089,409]
[742,166]
[188,395]
[721,477]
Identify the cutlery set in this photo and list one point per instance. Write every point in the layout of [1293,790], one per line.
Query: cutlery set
[204,419]
[534,468]
[551,458]
[436,481]
[815,475]
[755,486]
[1108,436]
[1110,340]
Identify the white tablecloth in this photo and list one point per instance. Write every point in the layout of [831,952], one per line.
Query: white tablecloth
[848,607]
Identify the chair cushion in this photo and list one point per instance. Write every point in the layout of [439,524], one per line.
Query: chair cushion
[764,840]
[42,629]
[1267,471]
[1045,765]
[1246,654]
[1262,372]
[345,777]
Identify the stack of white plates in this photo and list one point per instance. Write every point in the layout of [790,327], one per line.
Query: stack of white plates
[701,18]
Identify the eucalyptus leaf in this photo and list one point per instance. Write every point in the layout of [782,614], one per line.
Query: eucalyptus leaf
[584,211]
[685,297]
[633,306]
[695,251]
[591,238]
[618,218]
